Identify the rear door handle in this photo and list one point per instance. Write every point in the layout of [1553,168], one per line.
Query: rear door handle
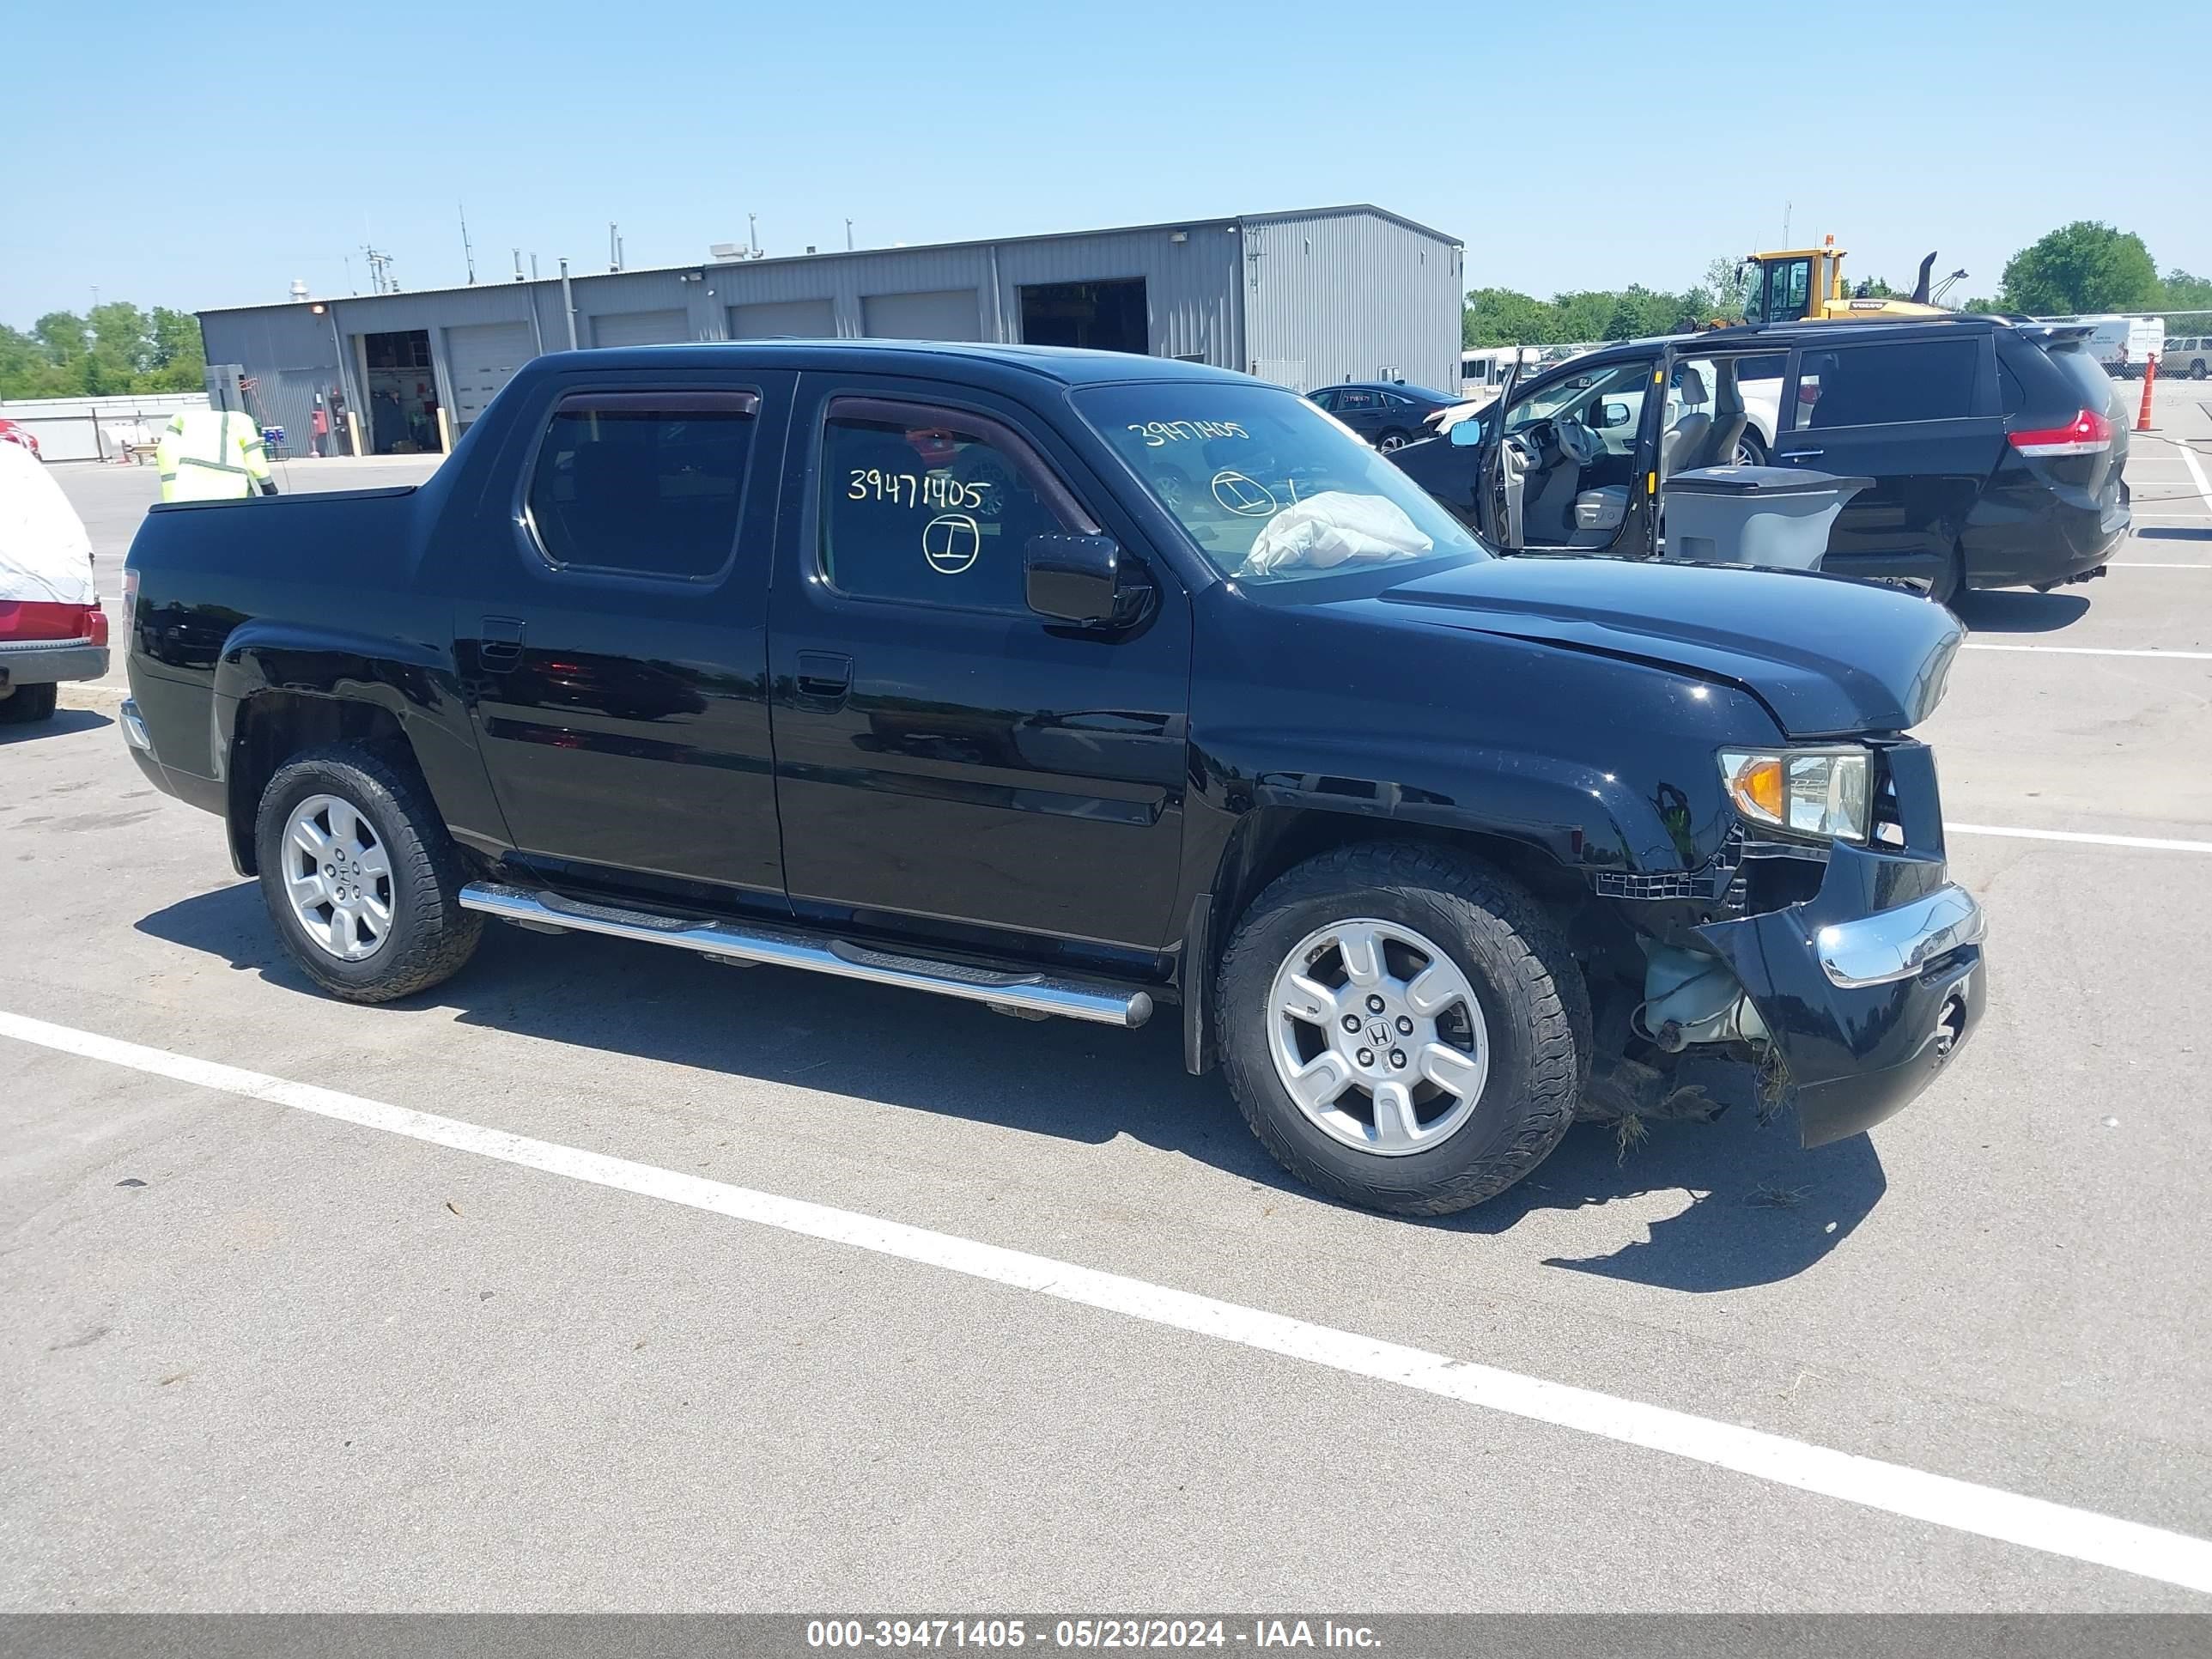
[1803,454]
[500,643]
[825,676]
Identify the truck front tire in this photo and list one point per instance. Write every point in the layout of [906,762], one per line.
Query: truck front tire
[1402,1027]
[360,876]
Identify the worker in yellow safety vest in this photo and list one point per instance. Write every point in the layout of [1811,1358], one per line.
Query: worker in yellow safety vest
[213,455]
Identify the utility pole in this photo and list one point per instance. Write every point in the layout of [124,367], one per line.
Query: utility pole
[848,235]
[614,246]
[381,279]
[752,234]
[1786,206]
[468,253]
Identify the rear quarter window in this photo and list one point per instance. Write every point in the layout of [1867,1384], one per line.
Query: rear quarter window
[2082,373]
[1882,385]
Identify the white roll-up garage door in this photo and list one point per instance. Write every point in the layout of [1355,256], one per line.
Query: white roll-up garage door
[623,328]
[481,357]
[947,314]
[800,319]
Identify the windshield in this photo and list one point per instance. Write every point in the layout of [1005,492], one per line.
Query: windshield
[1270,488]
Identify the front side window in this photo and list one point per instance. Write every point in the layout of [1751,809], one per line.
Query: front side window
[926,506]
[1787,294]
[1266,486]
[1882,385]
[643,483]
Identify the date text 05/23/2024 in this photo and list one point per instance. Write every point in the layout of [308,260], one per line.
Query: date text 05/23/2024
[1000,1633]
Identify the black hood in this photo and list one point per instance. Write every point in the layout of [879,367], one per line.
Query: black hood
[1828,656]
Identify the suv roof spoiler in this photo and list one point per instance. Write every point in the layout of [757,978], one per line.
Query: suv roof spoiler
[2050,334]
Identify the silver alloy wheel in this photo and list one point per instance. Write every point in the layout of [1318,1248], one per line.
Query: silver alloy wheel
[1376,1034]
[339,878]
[1393,440]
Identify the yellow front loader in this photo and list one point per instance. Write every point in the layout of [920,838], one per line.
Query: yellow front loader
[1807,284]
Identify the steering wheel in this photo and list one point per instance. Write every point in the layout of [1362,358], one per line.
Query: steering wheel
[1580,445]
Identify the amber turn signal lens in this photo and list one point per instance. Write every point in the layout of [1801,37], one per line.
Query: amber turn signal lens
[1758,785]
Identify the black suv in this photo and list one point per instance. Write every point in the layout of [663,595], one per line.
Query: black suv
[1389,414]
[1997,449]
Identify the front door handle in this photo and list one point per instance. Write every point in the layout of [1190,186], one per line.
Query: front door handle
[1803,454]
[824,676]
[499,646]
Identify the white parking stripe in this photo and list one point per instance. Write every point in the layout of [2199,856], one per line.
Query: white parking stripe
[2152,842]
[2090,651]
[2144,564]
[1985,1511]
[2196,471]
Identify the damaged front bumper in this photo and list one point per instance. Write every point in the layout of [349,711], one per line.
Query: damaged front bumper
[1866,989]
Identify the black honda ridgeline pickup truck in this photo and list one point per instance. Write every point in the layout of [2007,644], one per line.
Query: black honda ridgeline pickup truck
[1081,684]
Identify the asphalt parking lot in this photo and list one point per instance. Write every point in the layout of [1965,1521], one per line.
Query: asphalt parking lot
[263,1349]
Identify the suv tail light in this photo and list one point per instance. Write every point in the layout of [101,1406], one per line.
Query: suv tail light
[130,598]
[2086,434]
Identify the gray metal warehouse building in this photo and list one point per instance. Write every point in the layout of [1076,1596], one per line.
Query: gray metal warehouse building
[1305,299]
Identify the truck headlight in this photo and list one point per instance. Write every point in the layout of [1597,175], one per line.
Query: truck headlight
[1816,793]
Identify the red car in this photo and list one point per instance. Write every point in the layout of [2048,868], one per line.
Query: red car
[12,434]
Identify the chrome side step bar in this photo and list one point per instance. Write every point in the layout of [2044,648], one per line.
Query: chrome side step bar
[1032,994]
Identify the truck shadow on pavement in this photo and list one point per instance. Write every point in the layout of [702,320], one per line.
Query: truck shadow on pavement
[1758,1210]
[62,723]
[2002,611]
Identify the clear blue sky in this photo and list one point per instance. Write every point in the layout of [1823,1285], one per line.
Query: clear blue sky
[1634,141]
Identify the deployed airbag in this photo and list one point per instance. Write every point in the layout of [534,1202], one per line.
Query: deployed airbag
[1332,528]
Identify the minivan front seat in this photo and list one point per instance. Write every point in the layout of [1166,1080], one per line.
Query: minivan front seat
[1684,440]
[1718,446]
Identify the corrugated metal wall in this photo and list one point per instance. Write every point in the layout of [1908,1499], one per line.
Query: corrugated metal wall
[76,428]
[1350,294]
[1304,298]
[291,355]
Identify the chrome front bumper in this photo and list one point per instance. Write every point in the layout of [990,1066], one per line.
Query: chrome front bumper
[1894,945]
[134,727]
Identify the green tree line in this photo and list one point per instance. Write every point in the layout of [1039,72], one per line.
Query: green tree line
[2081,267]
[114,348]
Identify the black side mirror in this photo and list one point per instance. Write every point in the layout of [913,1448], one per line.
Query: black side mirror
[1075,579]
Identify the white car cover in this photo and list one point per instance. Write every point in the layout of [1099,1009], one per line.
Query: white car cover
[45,557]
[1335,527]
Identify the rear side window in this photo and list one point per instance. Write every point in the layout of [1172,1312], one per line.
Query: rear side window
[928,505]
[644,483]
[1885,385]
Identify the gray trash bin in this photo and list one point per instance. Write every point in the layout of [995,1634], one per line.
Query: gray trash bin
[1775,516]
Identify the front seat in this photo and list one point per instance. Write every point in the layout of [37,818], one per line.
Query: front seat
[1724,431]
[1687,436]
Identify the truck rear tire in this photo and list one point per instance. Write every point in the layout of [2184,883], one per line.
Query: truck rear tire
[360,876]
[1402,1027]
[25,704]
